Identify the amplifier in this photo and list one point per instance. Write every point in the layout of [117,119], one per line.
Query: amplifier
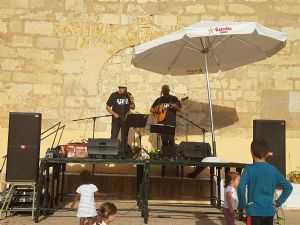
[103,147]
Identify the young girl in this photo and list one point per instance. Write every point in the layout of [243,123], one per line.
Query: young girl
[86,192]
[231,201]
[106,213]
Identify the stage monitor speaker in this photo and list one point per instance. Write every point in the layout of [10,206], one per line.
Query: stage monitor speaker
[23,150]
[194,150]
[103,147]
[273,132]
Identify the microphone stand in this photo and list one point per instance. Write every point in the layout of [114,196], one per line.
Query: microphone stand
[198,169]
[94,121]
[123,129]
[4,157]
[203,130]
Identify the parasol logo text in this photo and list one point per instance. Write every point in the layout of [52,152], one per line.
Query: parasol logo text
[194,71]
[223,29]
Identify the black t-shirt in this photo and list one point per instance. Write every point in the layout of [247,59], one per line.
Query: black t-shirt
[167,101]
[120,103]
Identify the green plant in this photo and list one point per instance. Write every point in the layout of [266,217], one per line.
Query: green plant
[294,177]
[153,152]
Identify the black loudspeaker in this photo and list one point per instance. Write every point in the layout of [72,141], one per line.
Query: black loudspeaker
[103,147]
[23,150]
[194,150]
[273,132]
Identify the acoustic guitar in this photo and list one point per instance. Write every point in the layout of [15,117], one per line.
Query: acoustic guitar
[163,111]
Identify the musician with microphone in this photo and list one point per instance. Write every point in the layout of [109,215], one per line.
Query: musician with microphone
[164,110]
[118,105]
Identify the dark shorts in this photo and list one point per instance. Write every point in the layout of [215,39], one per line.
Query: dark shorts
[259,220]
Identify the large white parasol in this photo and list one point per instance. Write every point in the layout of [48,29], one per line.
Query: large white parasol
[209,47]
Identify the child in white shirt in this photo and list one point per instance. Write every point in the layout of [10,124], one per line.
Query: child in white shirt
[231,201]
[86,193]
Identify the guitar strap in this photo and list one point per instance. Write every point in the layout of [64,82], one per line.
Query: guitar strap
[160,101]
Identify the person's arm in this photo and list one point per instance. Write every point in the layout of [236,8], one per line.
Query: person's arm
[109,109]
[154,109]
[229,202]
[242,189]
[287,189]
[76,198]
[99,194]
[176,105]
[109,105]
[132,104]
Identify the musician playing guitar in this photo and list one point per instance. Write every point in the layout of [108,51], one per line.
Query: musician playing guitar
[164,110]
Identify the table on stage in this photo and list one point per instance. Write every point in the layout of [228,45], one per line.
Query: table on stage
[43,183]
[215,169]
[143,180]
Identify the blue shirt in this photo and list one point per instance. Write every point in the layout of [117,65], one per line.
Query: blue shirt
[262,178]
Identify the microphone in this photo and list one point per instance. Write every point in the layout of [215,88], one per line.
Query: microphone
[128,93]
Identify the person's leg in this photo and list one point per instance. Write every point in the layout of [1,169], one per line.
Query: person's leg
[115,128]
[229,217]
[90,220]
[232,219]
[171,145]
[164,148]
[81,221]
[164,151]
[255,220]
[268,220]
[225,213]
[126,134]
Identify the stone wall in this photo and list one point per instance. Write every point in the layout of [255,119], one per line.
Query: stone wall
[64,58]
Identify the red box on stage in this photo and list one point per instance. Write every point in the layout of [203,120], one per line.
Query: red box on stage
[76,150]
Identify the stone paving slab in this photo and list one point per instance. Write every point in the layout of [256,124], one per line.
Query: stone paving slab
[161,212]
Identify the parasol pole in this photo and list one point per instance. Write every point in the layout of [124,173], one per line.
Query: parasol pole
[210,107]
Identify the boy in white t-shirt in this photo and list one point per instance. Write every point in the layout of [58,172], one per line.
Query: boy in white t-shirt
[231,201]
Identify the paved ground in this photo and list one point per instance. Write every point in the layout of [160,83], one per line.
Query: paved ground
[161,212]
